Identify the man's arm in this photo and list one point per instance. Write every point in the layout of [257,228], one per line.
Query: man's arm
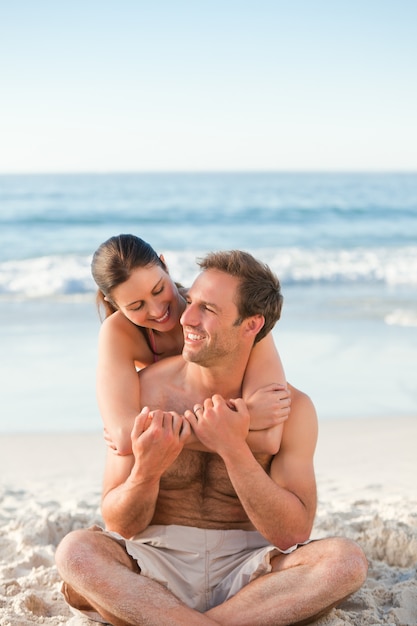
[131,483]
[282,504]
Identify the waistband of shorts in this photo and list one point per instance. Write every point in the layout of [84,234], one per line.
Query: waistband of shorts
[250,538]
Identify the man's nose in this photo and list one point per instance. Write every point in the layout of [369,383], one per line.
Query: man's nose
[190,316]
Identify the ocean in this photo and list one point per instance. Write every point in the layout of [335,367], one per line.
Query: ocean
[343,245]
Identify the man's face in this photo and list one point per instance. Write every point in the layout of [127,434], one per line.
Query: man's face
[209,320]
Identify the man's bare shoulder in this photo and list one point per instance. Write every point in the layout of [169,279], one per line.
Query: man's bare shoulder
[162,385]
[301,400]
[167,368]
[302,424]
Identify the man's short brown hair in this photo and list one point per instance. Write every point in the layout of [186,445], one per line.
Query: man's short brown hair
[259,291]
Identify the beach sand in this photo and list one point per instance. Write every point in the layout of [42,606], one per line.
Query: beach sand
[366,472]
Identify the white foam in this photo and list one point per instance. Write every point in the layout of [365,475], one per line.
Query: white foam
[397,266]
[46,276]
[401,317]
[70,275]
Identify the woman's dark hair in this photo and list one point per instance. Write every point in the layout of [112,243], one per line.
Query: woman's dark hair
[114,261]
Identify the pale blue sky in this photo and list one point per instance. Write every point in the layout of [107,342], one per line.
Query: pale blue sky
[89,85]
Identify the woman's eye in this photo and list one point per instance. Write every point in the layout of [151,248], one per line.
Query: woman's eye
[156,293]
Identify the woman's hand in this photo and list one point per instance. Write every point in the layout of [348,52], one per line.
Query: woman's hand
[269,406]
[109,442]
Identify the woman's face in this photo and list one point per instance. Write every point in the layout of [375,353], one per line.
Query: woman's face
[149,298]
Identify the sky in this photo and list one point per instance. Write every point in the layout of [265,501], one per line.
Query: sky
[187,85]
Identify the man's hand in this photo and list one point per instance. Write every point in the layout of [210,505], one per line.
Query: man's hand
[269,406]
[158,437]
[111,442]
[220,425]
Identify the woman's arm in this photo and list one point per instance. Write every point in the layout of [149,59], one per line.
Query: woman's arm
[118,390]
[118,393]
[266,395]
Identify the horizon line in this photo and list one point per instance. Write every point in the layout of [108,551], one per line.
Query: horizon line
[112,172]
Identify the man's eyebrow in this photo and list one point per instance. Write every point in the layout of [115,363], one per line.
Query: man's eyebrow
[205,302]
[213,306]
[153,289]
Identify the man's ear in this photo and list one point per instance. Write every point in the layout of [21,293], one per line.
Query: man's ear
[254,324]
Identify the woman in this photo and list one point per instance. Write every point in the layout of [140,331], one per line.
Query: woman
[142,308]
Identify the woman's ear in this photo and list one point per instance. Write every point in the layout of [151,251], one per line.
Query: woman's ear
[161,256]
[110,301]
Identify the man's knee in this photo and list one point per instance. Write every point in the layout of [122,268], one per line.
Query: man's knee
[89,551]
[345,560]
[81,559]
[74,552]
[339,561]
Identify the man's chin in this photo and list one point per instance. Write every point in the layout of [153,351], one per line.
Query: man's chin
[192,355]
[188,353]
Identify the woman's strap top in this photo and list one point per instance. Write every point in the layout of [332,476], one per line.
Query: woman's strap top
[153,344]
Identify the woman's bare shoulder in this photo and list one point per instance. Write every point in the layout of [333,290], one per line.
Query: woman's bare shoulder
[117,324]
[118,334]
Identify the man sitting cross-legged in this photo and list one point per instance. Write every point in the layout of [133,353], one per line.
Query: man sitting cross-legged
[209,535]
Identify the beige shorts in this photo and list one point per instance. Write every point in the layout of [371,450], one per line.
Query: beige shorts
[203,568]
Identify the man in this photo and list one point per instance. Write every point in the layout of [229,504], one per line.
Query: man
[210,525]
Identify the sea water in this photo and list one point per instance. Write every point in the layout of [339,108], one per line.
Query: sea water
[343,245]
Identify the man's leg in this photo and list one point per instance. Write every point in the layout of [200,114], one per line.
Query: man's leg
[302,586]
[101,574]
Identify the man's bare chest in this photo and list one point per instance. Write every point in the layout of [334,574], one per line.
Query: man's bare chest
[204,471]
[196,491]
[162,394]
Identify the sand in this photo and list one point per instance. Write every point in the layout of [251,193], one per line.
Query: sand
[366,471]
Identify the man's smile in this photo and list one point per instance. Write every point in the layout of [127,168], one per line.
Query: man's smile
[189,336]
